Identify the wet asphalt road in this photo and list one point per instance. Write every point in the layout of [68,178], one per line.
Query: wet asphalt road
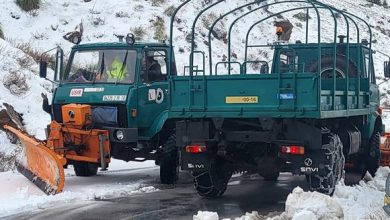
[245,194]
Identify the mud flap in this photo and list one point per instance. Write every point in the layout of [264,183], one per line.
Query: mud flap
[194,162]
[39,164]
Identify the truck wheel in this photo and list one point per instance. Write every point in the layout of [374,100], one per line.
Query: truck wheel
[169,169]
[85,168]
[326,180]
[269,168]
[213,183]
[374,154]
[271,178]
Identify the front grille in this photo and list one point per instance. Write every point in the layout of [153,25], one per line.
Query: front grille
[121,114]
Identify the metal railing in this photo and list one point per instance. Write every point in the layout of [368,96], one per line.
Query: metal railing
[306,5]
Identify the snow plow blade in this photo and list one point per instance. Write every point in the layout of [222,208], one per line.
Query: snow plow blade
[39,164]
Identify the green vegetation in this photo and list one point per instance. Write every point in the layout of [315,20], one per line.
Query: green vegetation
[1,32]
[170,10]
[159,29]
[301,16]
[158,2]
[28,5]
[139,32]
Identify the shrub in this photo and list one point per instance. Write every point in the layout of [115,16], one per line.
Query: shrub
[301,16]
[7,162]
[378,2]
[209,19]
[170,10]
[139,32]
[139,8]
[34,53]
[25,62]
[29,50]
[96,21]
[28,5]
[1,32]
[16,83]
[158,2]
[159,29]
[122,14]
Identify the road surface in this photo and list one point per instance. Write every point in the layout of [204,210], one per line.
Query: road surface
[246,193]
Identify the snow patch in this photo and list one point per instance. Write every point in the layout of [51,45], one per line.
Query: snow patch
[360,202]
[300,203]
[19,194]
[204,215]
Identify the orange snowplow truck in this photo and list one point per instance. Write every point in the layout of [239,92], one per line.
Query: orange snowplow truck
[73,140]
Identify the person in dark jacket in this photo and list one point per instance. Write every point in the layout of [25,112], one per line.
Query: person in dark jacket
[45,104]
[153,69]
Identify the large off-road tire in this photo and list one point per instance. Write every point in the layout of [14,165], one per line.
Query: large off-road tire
[374,154]
[270,169]
[368,161]
[169,161]
[85,168]
[326,180]
[213,182]
[342,65]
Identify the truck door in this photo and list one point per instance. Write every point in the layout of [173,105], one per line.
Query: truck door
[152,89]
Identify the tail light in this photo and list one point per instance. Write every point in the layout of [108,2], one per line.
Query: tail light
[195,148]
[293,150]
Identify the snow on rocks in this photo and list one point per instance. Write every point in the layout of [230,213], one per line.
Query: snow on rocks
[363,201]
[206,216]
[305,204]
[360,202]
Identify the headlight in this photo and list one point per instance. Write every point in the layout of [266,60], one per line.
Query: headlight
[119,135]
[387,189]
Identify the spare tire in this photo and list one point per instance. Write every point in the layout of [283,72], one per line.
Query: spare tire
[342,65]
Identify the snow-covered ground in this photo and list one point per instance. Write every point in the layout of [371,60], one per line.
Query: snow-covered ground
[43,30]
[18,194]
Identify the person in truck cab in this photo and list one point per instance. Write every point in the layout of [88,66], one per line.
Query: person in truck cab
[153,68]
[117,71]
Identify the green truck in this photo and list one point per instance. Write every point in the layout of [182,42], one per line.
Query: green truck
[314,108]
[129,100]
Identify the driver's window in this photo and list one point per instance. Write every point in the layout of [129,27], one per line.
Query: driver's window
[154,66]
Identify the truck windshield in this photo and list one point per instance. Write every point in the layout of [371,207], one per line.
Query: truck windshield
[102,66]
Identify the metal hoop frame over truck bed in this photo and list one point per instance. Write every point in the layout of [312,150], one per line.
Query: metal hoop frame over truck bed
[347,96]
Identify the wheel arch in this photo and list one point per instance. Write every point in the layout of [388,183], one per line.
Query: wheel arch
[374,124]
[162,126]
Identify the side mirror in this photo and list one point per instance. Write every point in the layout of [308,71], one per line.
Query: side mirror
[387,69]
[42,69]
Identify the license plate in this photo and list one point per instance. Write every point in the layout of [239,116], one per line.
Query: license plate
[242,99]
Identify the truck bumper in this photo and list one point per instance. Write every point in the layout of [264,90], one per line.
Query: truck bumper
[122,135]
